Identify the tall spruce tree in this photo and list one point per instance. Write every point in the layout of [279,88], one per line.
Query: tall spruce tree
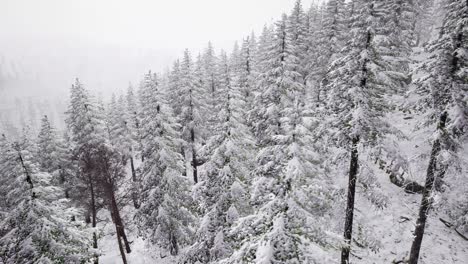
[357,86]
[227,175]
[284,187]
[445,94]
[38,227]
[165,199]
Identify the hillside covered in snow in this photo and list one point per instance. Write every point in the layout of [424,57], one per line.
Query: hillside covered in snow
[336,135]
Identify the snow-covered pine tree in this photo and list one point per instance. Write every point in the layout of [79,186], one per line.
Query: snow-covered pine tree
[243,68]
[38,226]
[296,27]
[174,88]
[328,43]
[133,120]
[210,83]
[165,215]
[227,175]
[397,38]
[47,147]
[357,84]
[87,132]
[445,97]
[54,156]
[134,137]
[286,191]
[191,108]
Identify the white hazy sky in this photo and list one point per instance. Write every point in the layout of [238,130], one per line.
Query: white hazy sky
[111,42]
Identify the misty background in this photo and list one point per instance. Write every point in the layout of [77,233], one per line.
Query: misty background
[108,44]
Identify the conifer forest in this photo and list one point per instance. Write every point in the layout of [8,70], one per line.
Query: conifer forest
[336,134]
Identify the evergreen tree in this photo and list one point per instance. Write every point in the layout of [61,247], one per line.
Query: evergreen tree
[54,157]
[284,187]
[227,176]
[87,132]
[445,94]
[191,108]
[358,83]
[329,42]
[165,198]
[37,228]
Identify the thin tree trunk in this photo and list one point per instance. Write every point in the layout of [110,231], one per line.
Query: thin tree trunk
[93,215]
[182,152]
[121,249]
[134,179]
[348,229]
[118,220]
[174,248]
[426,201]
[194,157]
[26,172]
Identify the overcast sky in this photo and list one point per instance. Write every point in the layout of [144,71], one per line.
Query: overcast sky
[111,42]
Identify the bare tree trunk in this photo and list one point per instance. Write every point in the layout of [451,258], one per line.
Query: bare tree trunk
[194,157]
[93,215]
[26,172]
[426,201]
[182,151]
[174,248]
[118,220]
[348,229]
[121,249]
[134,180]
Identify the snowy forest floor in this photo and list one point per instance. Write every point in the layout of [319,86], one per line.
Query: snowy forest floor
[392,226]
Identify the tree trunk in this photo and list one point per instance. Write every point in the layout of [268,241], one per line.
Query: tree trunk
[426,201]
[194,157]
[93,215]
[134,180]
[121,249]
[182,151]
[348,229]
[174,247]
[118,220]
[26,172]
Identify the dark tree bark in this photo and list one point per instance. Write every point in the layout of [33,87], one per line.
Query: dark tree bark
[118,220]
[348,229]
[25,169]
[353,170]
[426,201]
[107,182]
[136,203]
[93,214]
[174,248]
[194,156]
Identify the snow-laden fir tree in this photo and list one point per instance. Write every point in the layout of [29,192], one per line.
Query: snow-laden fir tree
[47,146]
[133,120]
[358,83]
[85,122]
[210,83]
[165,216]
[38,226]
[243,74]
[54,156]
[445,98]
[224,188]
[296,27]
[328,41]
[288,192]
[397,37]
[191,107]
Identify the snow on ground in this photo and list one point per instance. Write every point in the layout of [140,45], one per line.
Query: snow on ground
[393,225]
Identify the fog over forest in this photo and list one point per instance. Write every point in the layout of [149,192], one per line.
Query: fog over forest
[233,131]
